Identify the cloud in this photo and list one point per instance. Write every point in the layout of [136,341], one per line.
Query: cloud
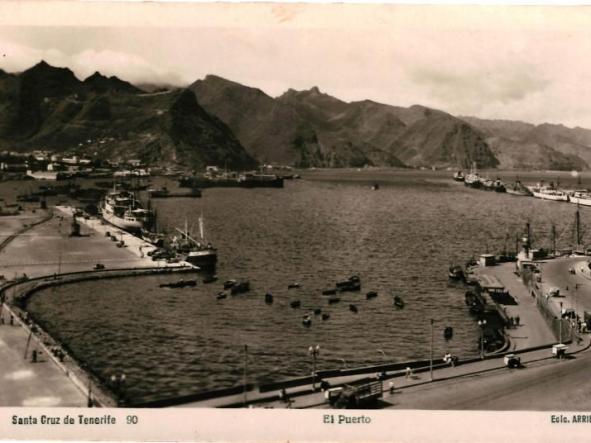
[129,67]
[476,88]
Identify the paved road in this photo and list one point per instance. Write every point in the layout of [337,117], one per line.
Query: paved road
[544,386]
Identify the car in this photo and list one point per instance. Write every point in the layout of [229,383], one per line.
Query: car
[512,361]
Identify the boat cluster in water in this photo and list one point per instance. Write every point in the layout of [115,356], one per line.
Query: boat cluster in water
[550,191]
[352,284]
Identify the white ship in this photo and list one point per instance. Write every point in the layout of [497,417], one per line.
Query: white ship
[122,209]
[472,179]
[581,197]
[548,193]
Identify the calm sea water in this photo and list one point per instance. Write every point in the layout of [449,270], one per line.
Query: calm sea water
[400,240]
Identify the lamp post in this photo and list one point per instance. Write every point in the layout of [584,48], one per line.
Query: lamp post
[314,351]
[431,352]
[560,325]
[482,324]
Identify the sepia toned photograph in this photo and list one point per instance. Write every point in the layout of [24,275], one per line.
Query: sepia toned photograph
[294,206]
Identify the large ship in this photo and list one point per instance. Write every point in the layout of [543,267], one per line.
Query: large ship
[548,192]
[198,252]
[123,210]
[473,179]
[232,179]
[518,189]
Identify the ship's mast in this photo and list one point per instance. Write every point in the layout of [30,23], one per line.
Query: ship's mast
[554,239]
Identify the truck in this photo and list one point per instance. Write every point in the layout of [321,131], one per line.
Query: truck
[355,395]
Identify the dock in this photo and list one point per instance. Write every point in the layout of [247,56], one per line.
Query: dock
[37,251]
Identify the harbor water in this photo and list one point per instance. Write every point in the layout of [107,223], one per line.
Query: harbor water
[400,240]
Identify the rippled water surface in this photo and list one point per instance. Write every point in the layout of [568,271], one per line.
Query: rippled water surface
[400,240]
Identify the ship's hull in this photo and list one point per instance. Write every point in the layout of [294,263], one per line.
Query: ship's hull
[553,197]
[197,182]
[203,259]
[127,225]
[584,201]
[519,192]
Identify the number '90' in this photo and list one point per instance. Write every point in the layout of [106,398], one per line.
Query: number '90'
[131,420]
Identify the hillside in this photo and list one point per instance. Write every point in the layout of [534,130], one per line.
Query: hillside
[311,128]
[519,145]
[110,118]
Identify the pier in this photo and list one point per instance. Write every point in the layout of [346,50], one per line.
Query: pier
[37,251]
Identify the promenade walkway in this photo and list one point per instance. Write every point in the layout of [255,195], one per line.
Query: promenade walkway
[44,250]
[22,382]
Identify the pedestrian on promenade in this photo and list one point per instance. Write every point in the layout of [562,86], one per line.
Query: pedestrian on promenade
[408,372]
[391,387]
[11,320]
[517,320]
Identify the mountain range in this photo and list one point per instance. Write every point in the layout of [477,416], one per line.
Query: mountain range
[218,121]
[48,107]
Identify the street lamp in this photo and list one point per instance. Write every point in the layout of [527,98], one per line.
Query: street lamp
[482,324]
[560,325]
[314,351]
[431,352]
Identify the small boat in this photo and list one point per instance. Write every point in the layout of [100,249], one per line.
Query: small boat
[221,295]
[179,284]
[448,332]
[268,298]
[456,272]
[353,308]
[229,283]
[329,292]
[210,279]
[293,286]
[307,321]
[333,300]
[295,304]
[240,288]
[371,294]
[398,302]
[325,316]
[353,283]
[317,311]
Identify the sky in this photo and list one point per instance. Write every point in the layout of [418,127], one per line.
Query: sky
[517,63]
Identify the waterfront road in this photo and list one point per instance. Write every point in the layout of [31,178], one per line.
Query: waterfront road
[543,383]
[22,381]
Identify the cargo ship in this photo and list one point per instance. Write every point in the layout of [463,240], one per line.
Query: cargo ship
[230,180]
[198,252]
[123,210]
